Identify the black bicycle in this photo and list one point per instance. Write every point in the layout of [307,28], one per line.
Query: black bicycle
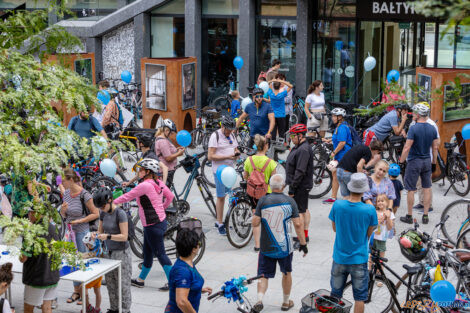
[322,177]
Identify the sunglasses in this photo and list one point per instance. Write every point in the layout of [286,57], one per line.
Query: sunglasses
[258,97]
[229,140]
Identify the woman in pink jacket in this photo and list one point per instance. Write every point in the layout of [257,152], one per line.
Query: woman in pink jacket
[153,197]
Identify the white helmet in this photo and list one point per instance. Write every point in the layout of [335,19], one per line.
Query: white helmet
[421,109]
[338,111]
[150,164]
[88,239]
[170,124]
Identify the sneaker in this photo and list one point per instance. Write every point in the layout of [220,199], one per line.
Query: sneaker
[222,230]
[418,207]
[165,287]
[256,249]
[90,308]
[329,201]
[136,283]
[408,219]
[258,307]
[425,219]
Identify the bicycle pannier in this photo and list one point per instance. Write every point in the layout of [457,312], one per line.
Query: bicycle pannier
[256,184]
[192,224]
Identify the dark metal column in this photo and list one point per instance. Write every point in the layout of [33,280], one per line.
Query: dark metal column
[247,44]
[192,39]
[141,41]
[303,66]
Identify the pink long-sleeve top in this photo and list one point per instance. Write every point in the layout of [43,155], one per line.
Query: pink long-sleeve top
[152,198]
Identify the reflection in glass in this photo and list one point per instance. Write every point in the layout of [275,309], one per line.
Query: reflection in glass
[172,7]
[277,7]
[276,40]
[445,56]
[220,7]
[463,47]
[91,10]
[10,4]
[155,86]
[219,44]
[334,56]
[337,8]
[369,42]
[167,36]
[429,36]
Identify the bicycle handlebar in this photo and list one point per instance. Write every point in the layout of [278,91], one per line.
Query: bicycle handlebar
[214,295]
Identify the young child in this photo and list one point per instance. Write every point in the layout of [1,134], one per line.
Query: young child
[94,245]
[235,109]
[386,223]
[394,172]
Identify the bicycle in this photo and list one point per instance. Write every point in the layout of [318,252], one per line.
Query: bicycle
[322,177]
[238,217]
[233,290]
[299,115]
[208,122]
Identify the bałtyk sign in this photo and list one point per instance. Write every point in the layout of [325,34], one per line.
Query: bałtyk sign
[387,10]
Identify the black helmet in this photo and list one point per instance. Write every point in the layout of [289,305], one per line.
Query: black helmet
[258,91]
[145,138]
[228,122]
[102,196]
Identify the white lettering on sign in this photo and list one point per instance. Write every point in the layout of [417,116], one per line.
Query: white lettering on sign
[392,8]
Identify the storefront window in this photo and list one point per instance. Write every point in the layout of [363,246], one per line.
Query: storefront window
[334,58]
[92,10]
[172,7]
[370,39]
[336,8]
[10,4]
[220,7]
[167,36]
[462,58]
[276,39]
[219,48]
[445,56]
[429,42]
[277,8]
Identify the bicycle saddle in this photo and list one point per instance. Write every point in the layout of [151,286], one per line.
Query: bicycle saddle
[463,256]
[448,145]
[411,270]
[312,129]
[171,210]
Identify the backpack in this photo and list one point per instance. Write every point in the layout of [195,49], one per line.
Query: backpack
[85,211]
[256,184]
[355,138]
[130,224]
[2,302]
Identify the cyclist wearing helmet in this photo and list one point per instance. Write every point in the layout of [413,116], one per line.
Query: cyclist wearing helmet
[421,137]
[165,150]
[113,229]
[299,174]
[261,116]
[386,124]
[222,151]
[144,142]
[420,205]
[342,142]
[153,197]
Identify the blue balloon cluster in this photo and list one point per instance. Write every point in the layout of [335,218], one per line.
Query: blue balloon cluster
[393,76]
[183,138]
[466,131]
[126,76]
[103,96]
[238,62]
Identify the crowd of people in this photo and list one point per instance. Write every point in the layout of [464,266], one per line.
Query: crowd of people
[368,206]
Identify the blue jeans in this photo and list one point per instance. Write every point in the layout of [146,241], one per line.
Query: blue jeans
[153,244]
[343,179]
[81,247]
[359,277]
[220,188]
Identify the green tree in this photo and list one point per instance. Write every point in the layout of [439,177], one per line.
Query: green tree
[453,11]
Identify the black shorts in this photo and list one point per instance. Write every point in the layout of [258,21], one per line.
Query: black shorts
[267,265]
[301,198]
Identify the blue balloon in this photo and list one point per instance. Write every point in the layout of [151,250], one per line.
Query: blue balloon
[219,171]
[393,75]
[443,292]
[126,76]
[103,96]
[238,62]
[183,138]
[466,132]
[339,45]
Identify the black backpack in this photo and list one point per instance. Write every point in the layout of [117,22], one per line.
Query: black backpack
[93,225]
[130,224]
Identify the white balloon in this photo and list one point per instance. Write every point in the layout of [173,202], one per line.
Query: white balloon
[228,177]
[264,86]
[108,167]
[369,63]
[245,102]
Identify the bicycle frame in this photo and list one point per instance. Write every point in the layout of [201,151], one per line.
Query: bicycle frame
[187,187]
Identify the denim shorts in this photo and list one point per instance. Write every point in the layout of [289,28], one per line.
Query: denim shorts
[418,168]
[359,277]
[220,188]
[343,179]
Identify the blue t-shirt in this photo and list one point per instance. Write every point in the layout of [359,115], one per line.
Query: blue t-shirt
[259,121]
[398,186]
[342,133]
[84,128]
[352,220]
[278,103]
[422,134]
[234,109]
[184,276]
[385,125]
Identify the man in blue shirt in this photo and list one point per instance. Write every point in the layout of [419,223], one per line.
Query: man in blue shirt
[275,212]
[277,98]
[85,125]
[353,221]
[421,138]
[386,124]
[261,116]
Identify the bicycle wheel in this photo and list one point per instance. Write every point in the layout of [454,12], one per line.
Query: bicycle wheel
[380,300]
[459,173]
[206,171]
[458,212]
[222,104]
[206,195]
[281,167]
[293,119]
[195,147]
[126,161]
[322,181]
[238,224]
[463,242]
[102,181]
[137,241]
[170,246]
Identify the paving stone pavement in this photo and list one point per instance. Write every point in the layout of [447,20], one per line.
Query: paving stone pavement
[221,262]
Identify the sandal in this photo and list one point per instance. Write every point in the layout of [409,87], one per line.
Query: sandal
[258,307]
[72,298]
[287,306]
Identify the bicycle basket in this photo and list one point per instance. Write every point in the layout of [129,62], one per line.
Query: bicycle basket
[323,301]
[412,245]
[192,223]
[188,163]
